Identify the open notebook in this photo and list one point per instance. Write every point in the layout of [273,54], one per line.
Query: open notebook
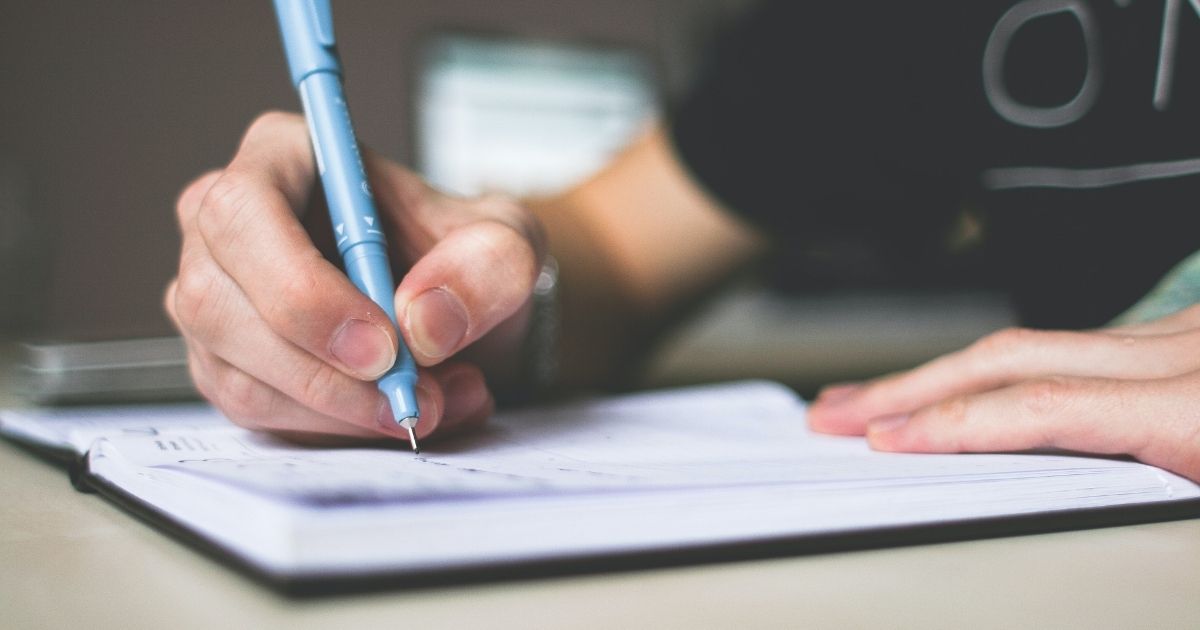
[707,472]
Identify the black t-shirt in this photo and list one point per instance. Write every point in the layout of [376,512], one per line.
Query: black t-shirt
[857,132]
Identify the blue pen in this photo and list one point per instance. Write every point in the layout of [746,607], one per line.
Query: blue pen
[307,28]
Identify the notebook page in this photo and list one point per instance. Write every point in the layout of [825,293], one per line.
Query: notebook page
[730,462]
[617,443]
[729,435]
[264,466]
[75,428]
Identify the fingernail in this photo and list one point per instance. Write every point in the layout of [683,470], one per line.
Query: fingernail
[465,395]
[386,419]
[431,416]
[835,394]
[364,348]
[887,424]
[437,323]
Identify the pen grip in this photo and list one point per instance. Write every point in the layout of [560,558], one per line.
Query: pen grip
[367,266]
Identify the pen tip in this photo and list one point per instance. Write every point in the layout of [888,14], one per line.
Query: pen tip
[412,439]
[410,423]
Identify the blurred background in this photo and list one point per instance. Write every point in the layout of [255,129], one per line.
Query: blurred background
[110,108]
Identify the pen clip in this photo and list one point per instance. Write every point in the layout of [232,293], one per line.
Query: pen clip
[322,21]
[308,39]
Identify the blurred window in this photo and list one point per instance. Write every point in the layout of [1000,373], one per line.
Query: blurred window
[525,117]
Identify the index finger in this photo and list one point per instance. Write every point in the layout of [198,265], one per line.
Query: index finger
[248,222]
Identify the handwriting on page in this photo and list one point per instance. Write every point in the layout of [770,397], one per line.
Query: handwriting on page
[644,444]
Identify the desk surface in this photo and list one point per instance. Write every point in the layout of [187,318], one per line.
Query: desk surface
[70,560]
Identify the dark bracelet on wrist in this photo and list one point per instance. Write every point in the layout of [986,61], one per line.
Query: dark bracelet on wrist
[539,353]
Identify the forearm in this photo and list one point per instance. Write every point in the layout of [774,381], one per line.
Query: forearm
[598,319]
[634,244]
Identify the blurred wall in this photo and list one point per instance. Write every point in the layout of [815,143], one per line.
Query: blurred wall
[109,108]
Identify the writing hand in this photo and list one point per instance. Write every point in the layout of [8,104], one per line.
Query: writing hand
[279,339]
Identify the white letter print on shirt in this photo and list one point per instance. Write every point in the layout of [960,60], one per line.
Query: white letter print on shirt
[1010,177]
[994,53]
[1045,117]
[1166,50]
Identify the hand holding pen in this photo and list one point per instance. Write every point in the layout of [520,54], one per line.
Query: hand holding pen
[280,339]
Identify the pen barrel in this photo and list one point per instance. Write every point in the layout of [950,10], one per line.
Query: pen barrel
[368,268]
[351,205]
[356,227]
[306,27]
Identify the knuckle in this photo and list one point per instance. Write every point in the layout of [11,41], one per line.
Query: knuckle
[952,411]
[513,213]
[507,251]
[227,197]
[1005,341]
[295,304]
[271,122]
[1045,397]
[195,296]
[188,203]
[241,397]
[946,423]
